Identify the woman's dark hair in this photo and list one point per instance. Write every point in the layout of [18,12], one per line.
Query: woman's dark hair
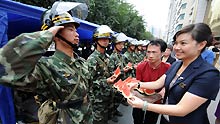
[159,42]
[199,32]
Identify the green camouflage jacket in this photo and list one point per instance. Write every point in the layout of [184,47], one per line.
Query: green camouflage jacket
[101,91]
[117,60]
[139,56]
[23,67]
[130,57]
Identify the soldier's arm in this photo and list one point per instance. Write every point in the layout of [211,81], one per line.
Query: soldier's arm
[19,57]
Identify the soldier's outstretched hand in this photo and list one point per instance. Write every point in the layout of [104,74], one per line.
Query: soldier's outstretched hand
[55,29]
[111,79]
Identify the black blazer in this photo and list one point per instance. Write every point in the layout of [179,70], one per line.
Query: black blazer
[171,60]
[199,78]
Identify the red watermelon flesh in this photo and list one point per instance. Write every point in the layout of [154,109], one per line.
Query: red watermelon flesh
[117,72]
[149,91]
[126,91]
[146,91]
[118,83]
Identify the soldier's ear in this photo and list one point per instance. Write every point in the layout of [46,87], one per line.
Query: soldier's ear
[55,39]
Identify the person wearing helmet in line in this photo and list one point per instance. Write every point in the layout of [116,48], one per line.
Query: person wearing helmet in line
[117,59]
[101,91]
[138,51]
[61,80]
[129,57]
[144,50]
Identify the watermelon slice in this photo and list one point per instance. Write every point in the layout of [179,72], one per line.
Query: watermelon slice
[129,65]
[117,72]
[126,91]
[134,80]
[123,87]
[128,80]
[146,91]
[118,83]
[149,91]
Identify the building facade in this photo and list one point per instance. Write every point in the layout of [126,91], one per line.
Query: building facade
[184,12]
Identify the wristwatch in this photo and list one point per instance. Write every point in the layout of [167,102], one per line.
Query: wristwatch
[139,85]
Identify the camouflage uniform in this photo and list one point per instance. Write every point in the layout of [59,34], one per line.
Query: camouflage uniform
[117,60]
[23,67]
[101,91]
[139,56]
[130,57]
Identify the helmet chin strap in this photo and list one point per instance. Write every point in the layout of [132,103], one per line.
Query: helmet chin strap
[74,46]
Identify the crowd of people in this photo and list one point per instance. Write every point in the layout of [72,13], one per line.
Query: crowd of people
[68,88]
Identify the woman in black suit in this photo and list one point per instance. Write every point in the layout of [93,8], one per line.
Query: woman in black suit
[167,55]
[190,83]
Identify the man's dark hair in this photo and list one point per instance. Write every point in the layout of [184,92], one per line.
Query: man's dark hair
[159,42]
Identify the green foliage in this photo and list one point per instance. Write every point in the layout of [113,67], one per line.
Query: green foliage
[117,14]
[120,16]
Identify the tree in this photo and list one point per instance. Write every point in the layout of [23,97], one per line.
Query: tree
[117,14]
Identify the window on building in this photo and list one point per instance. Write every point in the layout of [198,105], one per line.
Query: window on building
[183,6]
[178,27]
[181,17]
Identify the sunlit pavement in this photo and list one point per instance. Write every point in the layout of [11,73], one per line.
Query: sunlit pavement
[127,115]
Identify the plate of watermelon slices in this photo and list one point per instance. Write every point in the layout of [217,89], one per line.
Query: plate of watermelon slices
[122,86]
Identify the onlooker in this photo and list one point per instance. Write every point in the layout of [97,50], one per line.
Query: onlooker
[216,50]
[208,56]
[190,84]
[167,55]
[150,70]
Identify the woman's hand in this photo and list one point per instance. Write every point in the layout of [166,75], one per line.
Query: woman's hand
[135,102]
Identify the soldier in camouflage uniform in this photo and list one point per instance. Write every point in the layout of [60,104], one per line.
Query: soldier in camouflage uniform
[60,80]
[144,49]
[101,92]
[130,57]
[117,59]
[138,51]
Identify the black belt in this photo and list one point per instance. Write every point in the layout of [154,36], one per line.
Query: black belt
[70,104]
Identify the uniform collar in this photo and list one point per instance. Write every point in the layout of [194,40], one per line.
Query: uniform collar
[100,55]
[63,57]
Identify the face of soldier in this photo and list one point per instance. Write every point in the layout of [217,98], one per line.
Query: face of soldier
[70,33]
[103,42]
[144,48]
[139,47]
[153,53]
[132,47]
[119,46]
